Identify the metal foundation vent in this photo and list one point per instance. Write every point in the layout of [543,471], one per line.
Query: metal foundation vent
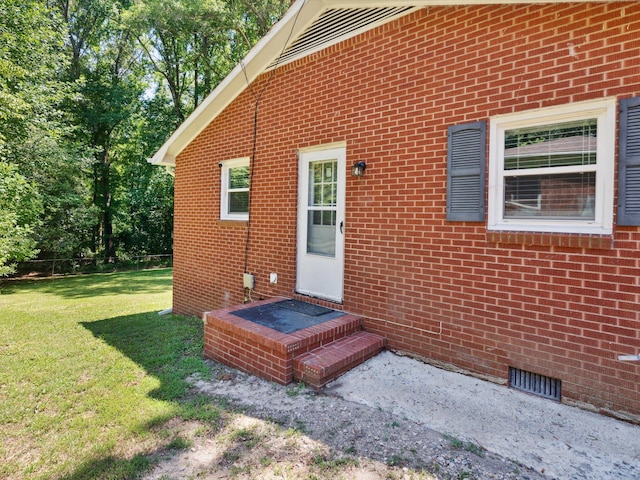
[534,383]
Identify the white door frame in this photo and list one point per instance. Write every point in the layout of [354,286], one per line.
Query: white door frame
[320,273]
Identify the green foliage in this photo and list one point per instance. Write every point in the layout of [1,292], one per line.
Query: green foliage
[192,46]
[20,207]
[249,436]
[179,443]
[186,45]
[59,171]
[32,126]
[143,197]
[327,464]
[90,89]
[467,446]
[295,389]
[29,61]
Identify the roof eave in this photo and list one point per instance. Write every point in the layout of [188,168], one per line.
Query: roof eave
[297,19]
[266,51]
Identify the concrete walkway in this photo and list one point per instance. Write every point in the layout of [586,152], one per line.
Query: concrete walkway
[557,440]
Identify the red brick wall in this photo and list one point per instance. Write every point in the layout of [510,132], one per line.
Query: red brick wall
[450,292]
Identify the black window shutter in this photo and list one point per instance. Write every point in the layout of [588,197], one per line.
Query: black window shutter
[629,162]
[466,159]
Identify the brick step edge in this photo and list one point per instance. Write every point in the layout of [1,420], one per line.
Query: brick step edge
[324,364]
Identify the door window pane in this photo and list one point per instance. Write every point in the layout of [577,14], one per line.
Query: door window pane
[321,223]
[317,197]
[329,217]
[316,169]
[329,194]
[321,239]
[323,179]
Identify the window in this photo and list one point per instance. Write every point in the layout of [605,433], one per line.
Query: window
[323,188]
[551,169]
[234,199]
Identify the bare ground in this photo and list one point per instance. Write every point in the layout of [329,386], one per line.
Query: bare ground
[273,432]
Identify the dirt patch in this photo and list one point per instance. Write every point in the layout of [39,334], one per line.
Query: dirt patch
[293,432]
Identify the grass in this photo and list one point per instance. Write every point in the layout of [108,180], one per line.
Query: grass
[327,463]
[90,374]
[93,385]
[467,446]
[295,389]
[248,436]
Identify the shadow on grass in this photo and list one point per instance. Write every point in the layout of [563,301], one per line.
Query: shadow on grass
[111,468]
[169,348]
[100,284]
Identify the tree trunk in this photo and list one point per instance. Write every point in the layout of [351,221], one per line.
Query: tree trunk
[103,198]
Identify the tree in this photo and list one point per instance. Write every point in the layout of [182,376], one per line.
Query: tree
[29,61]
[60,169]
[89,89]
[254,18]
[181,40]
[104,67]
[20,208]
[143,198]
[33,131]
[192,46]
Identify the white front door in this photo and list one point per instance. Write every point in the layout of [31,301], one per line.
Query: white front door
[321,206]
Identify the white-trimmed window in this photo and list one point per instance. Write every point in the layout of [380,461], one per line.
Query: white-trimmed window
[234,194]
[551,169]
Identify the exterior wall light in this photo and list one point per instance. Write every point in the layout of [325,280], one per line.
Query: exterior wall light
[358,169]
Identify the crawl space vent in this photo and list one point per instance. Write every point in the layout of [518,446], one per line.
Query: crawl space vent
[534,383]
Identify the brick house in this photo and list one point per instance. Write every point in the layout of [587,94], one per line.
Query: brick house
[495,227]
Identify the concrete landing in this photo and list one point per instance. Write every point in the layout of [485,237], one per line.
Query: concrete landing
[557,440]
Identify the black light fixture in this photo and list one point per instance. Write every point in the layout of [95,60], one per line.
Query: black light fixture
[358,169]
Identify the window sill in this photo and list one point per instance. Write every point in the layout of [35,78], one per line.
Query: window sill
[232,223]
[575,240]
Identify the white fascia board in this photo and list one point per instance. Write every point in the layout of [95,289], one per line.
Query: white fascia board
[297,19]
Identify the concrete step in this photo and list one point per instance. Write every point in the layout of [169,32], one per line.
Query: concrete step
[324,364]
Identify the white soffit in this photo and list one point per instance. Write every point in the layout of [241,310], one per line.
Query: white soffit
[308,27]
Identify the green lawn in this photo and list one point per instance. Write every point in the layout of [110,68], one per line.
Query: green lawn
[90,373]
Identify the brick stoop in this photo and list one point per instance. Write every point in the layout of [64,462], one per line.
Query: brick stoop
[324,364]
[315,355]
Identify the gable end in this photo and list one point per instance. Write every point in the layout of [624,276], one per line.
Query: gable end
[335,25]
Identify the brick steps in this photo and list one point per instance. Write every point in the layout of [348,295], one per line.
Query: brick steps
[315,355]
[324,364]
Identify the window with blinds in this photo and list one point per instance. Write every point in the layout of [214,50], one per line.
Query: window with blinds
[549,171]
[552,169]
